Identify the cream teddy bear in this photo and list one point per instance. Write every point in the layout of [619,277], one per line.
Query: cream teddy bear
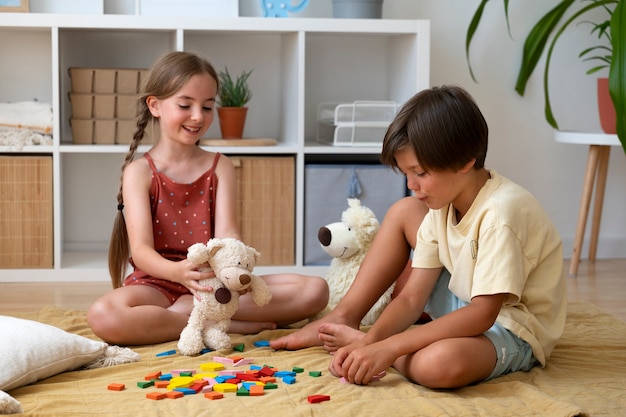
[232,261]
[347,242]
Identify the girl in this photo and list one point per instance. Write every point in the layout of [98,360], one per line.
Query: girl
[176,195]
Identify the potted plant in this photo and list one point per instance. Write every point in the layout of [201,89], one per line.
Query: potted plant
[234,94]
[549,28]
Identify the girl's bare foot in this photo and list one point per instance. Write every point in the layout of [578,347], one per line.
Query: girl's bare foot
[335,336]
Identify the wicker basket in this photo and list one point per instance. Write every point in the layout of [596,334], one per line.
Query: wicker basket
[266,201]
[26,232]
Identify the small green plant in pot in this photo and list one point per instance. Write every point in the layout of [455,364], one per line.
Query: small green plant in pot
[234,94]
[546,32]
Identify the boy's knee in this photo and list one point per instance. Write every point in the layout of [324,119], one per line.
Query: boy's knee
[436,369]
[444,376]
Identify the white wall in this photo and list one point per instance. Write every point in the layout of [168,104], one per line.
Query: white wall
[522,145]
[521,141]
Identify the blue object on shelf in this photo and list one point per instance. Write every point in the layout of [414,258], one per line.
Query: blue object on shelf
[354,186]
[281,8]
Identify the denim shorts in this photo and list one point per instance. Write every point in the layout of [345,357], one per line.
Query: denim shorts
[514,354]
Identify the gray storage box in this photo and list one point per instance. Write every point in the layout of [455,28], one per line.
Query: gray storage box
[327,188]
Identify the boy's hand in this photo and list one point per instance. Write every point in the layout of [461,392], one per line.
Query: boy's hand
[359,363]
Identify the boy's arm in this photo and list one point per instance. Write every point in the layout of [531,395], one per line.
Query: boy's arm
[406,307]
[469,321]
[360,363]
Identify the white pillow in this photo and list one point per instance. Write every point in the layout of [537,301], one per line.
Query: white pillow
[32,351]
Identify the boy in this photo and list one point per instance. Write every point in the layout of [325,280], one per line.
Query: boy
[500,309]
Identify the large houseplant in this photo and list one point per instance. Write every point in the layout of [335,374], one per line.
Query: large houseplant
[551,26]
[234,94]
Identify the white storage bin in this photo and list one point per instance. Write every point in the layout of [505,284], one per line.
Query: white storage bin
[361,123]
[327,188]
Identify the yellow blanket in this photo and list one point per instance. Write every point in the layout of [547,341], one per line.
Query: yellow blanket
[586,375]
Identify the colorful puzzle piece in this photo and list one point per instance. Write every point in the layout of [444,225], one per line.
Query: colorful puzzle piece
[216,380]
[213,395]
[156,395]
[318,398]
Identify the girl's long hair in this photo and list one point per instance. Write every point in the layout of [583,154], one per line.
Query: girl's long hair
[168,75]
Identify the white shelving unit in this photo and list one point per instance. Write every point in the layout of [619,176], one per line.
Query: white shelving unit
[298,63]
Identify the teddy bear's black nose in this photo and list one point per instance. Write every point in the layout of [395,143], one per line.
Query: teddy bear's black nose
[244,279]
[324,236]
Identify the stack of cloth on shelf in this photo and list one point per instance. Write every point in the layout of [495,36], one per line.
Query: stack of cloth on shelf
[25,123]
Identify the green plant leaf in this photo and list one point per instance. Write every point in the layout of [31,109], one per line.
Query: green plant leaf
[548,28]
[593,70]
[471,30]
[596,48]
[234,92]
[617,72]
[546,91]
[536,42]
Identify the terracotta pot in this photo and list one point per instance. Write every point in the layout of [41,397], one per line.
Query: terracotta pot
[232,121]
[605,107]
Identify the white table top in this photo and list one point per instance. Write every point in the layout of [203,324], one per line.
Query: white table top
[586,138]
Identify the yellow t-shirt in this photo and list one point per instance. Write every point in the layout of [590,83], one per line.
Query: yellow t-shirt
[505,243]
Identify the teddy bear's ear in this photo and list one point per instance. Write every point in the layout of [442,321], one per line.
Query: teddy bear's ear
[214,248]
[197,253]
[214,244]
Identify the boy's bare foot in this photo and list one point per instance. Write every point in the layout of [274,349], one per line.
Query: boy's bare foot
[305,337]
[335,336]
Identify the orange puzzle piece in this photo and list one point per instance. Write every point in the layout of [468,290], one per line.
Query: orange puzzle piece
[156,395]
[213,395]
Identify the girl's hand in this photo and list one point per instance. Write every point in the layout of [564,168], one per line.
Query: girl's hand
[189,276]
[359,363]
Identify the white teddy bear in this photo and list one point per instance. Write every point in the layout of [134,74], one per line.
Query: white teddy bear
[232,261]
[347,242]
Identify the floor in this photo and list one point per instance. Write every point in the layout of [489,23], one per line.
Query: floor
[602,284]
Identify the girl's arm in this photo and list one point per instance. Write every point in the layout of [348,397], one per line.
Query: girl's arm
[226,200]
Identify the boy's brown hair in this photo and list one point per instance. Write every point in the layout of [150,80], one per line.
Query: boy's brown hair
[443,126]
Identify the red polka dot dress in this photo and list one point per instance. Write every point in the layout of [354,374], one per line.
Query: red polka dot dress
[182,214]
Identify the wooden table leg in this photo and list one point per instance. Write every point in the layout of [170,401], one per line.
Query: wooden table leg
[603,167]
[590,173]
